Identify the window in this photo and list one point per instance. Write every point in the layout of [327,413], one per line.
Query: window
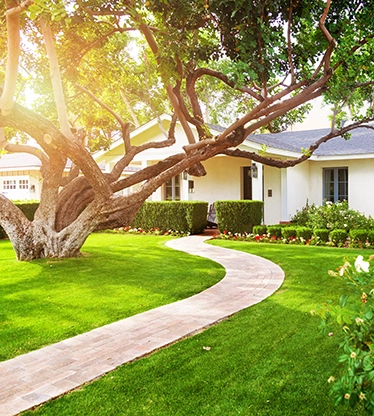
[23,184]
[335,184]
[9,184]
[172,189]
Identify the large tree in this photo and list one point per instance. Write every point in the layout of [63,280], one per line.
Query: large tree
[271,56]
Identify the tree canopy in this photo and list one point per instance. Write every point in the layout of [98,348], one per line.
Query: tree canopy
[99,67]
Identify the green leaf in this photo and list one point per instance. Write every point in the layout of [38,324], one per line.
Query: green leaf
[343,300]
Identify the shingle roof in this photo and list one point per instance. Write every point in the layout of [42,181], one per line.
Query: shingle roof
[19,161]
[361,142]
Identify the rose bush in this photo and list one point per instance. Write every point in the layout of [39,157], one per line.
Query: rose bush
[355,316]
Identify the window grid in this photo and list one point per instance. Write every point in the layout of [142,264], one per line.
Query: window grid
[9,184]
[335,184]
[172,189]
[23,184]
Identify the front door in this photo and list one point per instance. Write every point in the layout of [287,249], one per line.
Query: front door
[247,183]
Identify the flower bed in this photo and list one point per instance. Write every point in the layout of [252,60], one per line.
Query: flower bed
[303,236]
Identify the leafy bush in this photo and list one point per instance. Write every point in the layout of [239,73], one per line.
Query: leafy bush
[358,236]
[302,217]
[354,314]
[183,216]
[238,216]
[339,237]
[371,236]
[260,229]
[304,232]
[275,231]
[289,232]
[332,216]
[322,234]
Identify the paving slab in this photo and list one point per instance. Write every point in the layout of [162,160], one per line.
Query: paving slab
[36,377]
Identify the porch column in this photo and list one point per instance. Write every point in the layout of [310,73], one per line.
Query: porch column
[258,184]
[284,196]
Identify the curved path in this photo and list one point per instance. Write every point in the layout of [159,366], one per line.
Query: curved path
[34,378]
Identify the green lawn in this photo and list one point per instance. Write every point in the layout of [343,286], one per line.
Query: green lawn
[45,301]
[269,359]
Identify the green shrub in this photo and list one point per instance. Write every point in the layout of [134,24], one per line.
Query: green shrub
[288,232]
[358,236]
[238,216]
[322,234]
[332,216]
[183,216]
[371,236]
[302,217]
[275,231]
[339,237]
[304,232]
[260,229]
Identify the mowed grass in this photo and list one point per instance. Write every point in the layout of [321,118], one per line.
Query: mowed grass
[269,359]
[45,301]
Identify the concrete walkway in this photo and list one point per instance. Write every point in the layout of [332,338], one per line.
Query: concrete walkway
[34,378]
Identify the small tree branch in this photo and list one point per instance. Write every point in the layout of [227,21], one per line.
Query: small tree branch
[125,127]
[198,73]
[129,109]
[125,161]
[173,99]
[307,154]
[289,43]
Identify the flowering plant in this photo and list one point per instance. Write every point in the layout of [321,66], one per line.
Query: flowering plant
[355,316]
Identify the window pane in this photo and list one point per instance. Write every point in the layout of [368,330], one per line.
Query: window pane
[172,189]
[335,184]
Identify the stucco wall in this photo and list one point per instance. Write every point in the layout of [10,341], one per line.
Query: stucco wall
[298,187]
[272,204]
[360,183]
[223,180]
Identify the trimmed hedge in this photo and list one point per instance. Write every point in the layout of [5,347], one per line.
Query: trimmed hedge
[183,216]
[359,236]
[238,216]
[304,232]
[260,229]
[338,237]
[275,231]
[28,208]
[322,234]
[288,232]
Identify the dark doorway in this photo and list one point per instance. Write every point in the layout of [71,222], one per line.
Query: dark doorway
[247,182]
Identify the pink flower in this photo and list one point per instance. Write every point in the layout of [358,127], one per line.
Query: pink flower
[331,334]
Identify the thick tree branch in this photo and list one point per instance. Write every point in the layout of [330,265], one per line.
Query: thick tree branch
[19,9]
[56,78]
[54,143]
[13,52]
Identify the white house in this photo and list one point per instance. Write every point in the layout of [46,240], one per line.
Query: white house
[339,169]
[20,177]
